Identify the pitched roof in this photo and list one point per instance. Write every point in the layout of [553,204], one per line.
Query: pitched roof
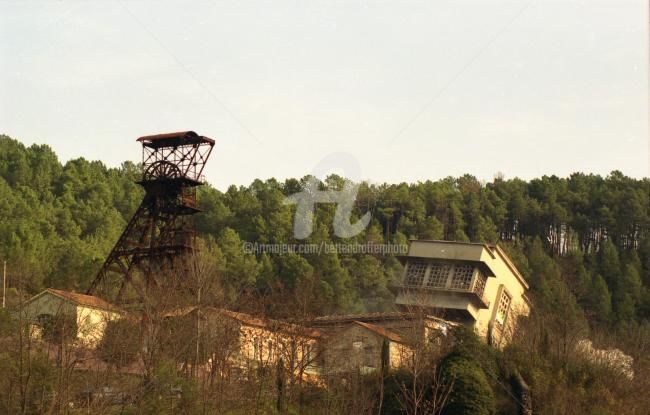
[343,318]
[272,324]
[250,320]
[82,299]
[394,337]
[339,319]
[180,312]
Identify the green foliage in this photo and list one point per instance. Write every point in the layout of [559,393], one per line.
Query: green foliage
[582,242]
[600,300]
[471,393]
[292,269]
[473,367]
[59,221]
[628,293]
[241,268]
[608,263]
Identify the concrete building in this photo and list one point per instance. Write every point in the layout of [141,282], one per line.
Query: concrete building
[471,283]
[364,347]
[356,341]
[84,316]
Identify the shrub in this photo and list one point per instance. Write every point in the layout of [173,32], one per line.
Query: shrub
[471,393]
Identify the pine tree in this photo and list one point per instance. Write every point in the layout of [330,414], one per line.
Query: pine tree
[600,300]
[628,293]
[431,228]
[609,264]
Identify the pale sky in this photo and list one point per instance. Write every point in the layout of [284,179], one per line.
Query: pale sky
[413,90]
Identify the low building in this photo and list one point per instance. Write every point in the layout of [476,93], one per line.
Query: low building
[366,348]
[266,341]
[78,316]
[444,284]
[368,342]
[242,341]
[471,283]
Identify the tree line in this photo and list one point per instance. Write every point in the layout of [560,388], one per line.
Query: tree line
[59,221]
[581,241]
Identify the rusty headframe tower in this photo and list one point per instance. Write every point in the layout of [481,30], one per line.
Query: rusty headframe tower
[161,231]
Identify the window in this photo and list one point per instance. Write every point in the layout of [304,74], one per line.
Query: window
[438,275]
[369,356]
[415,273]
[307,355]
[462,278]
[45,320]
[479,285]
[504,306]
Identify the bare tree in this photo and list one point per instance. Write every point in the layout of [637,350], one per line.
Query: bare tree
[424,391]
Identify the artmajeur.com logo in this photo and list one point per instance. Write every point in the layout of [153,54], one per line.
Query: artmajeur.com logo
[306,200]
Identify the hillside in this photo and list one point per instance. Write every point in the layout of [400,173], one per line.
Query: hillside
[582,242]
[59,221]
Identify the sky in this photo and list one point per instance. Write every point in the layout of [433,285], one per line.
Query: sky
[408,90]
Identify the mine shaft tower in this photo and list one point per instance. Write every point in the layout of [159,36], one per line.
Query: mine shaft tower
[161,231]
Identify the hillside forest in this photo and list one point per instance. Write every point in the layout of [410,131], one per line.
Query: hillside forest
[582,242]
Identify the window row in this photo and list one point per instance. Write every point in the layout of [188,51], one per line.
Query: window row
[425,274]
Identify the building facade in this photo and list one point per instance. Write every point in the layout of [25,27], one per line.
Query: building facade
[84,317]
[240,342]
[443,284]
[470,283]
[366,348]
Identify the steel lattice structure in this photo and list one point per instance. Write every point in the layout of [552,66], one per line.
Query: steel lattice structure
[161,230]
